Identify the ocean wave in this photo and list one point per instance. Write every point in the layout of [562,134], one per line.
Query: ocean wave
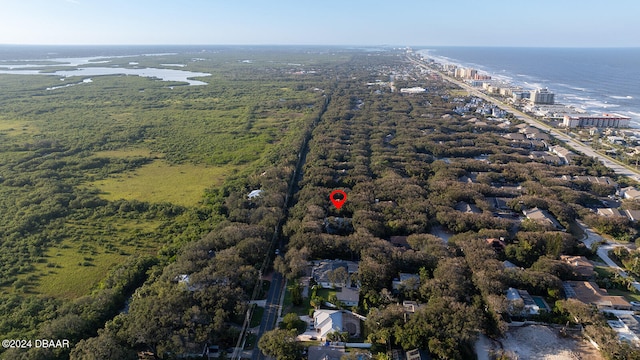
[535,85]
[633,113]
[599,104]
[621,97]
[579,98]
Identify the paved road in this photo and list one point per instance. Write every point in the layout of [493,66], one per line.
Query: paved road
[270,315]
[603,251]
[587,150]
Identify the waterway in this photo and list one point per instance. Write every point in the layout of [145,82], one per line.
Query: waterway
[86,67]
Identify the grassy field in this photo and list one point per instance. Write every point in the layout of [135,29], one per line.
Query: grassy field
[16,128]
[73,267]
[159,181]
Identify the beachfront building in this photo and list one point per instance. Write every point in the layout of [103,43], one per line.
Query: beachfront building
[542,96]
[517,95]
[465,73]
[604,121]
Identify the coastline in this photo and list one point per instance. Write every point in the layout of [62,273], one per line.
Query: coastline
[603,88]
[618,167]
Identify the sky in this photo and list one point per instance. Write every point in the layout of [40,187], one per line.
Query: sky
[535,23]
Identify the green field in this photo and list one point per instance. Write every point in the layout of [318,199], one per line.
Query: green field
[136,140]
[73,267]
[160,181]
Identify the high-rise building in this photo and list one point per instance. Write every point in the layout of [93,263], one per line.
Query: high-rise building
[604,121]
[542,96]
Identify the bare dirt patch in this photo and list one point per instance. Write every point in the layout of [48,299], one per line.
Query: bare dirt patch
[543,342]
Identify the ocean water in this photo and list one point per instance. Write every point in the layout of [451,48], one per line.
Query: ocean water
[596,80]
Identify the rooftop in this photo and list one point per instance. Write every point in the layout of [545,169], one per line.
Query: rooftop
[589,293]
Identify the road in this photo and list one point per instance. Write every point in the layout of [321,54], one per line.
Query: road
[270,312]
[587,150]
[277,285]
[603,251]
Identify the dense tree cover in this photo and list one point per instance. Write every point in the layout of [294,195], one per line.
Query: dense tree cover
[210,254]
[409,171]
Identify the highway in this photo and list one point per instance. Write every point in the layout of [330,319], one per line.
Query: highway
[587,150]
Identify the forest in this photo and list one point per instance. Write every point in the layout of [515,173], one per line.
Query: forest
[77,243]
[121,273]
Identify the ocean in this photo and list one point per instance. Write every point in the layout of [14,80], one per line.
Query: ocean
[597,80]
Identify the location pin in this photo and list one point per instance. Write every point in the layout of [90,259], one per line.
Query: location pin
[338,202]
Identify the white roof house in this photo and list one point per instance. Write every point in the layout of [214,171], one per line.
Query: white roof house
[327,321]
[254,194]
[630,193]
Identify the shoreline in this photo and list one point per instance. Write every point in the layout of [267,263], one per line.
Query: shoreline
[618,167]
[576,97]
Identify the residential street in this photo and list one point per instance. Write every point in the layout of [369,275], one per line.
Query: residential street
[603,251]
[270,313]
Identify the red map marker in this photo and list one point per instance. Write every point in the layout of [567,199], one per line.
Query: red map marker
[339,201]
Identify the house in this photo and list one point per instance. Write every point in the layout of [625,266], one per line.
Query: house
[337,225]
[254,194]
[627,327]
[566,155]
[500,203]
[545,157]
[324,272]
[417,354]
[348,296]
[607,212]
[514,136]
[406,280]
[467,208]
[633,215]
[327,321]
[581,265]
[630,193]
[411,307]
[400,241]
[602,180]
[521,303]
[588,292]
[542,217]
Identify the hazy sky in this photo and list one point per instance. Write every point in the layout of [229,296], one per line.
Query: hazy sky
[581,23]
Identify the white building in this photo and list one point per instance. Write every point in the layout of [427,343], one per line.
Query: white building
[604,121]
[542,96]
[521,303]
[413,90]
[327,321]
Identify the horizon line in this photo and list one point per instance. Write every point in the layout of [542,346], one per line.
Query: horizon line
[337,45]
